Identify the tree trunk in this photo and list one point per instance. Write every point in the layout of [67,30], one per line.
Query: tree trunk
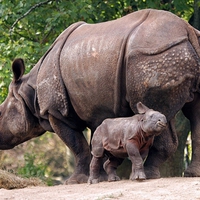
[196,20]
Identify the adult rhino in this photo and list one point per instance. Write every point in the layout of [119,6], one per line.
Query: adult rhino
[98,71]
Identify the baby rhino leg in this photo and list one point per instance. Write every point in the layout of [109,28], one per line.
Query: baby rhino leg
[137,162]
[110,166]
[95,166]
[97,159]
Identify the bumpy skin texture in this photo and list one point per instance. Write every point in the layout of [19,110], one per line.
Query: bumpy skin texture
[125,137]
[98,71]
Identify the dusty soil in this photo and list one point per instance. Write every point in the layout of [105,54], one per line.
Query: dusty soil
[157,189]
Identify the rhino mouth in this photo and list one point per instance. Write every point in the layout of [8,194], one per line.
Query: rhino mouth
[161,124]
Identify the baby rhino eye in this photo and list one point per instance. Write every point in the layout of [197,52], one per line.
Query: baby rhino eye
[151,116]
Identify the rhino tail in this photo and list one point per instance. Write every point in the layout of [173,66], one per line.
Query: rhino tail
[194,38]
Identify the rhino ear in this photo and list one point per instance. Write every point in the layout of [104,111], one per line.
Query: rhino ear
[18,69]
[141,108]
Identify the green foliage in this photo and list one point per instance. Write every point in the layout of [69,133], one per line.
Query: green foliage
[34,169]
[188,150]
[45,156]
[31,169]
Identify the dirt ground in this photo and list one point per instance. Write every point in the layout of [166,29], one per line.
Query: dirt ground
[157,189]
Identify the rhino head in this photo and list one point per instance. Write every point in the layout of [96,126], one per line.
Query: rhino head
[17,123]
[152,122]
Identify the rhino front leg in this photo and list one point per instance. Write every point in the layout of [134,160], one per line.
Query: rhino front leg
[95,167]
[137,162]
[78,145]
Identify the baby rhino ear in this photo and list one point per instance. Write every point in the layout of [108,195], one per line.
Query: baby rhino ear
[141,108]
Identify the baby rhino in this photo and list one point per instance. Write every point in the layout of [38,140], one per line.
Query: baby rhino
[125,137]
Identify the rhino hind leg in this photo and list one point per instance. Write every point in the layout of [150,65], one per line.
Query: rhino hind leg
[77,143]
[110,166]
[192,171]
[192,112]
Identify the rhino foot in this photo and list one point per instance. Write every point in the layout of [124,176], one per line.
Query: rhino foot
[138,175]
[192,171]
[113,177]
[103,176]
[152,172]
[77,179]
[93,180]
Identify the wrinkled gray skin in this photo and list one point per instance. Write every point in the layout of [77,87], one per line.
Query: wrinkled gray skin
[125,137]
[98,71]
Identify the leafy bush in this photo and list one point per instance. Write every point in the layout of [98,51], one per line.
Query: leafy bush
[33,169]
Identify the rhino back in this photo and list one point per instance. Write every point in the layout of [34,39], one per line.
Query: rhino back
[145,56]
[113,134]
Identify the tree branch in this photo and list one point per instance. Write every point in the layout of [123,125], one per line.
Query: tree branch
[25,14]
